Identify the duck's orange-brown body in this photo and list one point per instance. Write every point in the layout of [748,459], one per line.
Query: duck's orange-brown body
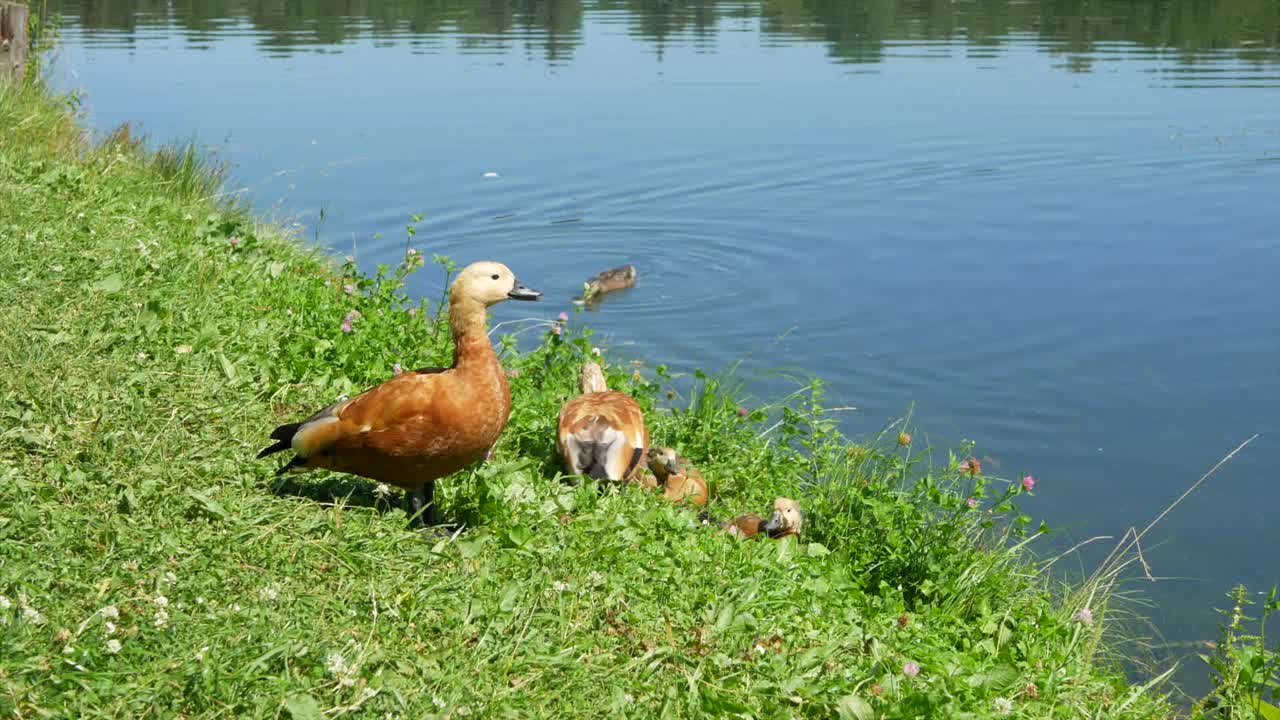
[679,479]
[417,426]
[423,425]
[747,525]
[602,433]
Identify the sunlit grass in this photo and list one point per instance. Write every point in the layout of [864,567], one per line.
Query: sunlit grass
[151,567]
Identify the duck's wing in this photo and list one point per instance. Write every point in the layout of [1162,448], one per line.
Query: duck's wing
[602,435]
[403,396]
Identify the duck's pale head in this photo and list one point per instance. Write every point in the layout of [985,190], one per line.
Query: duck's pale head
[664,461]
[786,518]
[489,283]
[591,378]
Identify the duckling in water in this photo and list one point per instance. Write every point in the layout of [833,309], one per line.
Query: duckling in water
[679,479]
[419,426]
[608,281]
[601,432]
[786,520]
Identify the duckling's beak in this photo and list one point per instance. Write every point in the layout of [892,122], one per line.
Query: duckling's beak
[523,292]
[773,525]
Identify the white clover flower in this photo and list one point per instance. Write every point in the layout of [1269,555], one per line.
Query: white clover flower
[162,601]
[336,664]
[199,600]
[162,617]
[5,603]
[113,646]
[1003,706]
[32,615]
[110,627]
[235,608]
[382,490]
[67,649]
[200,653]
[110,611]
[1084,615]
[170,577]
[595,578]
[559,586]
[437,701]
[269,594]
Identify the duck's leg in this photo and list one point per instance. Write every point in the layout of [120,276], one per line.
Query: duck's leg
[422,506]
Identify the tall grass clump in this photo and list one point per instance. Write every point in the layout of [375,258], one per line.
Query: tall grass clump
[151,567]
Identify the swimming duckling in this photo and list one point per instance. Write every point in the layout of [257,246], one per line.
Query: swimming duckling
[602,432]
[679,479]
[786,520]
[608,281]
[419,426]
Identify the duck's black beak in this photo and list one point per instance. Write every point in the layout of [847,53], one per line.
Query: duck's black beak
[773,526]
[523,292]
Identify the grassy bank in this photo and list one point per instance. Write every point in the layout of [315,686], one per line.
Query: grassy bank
[152,568]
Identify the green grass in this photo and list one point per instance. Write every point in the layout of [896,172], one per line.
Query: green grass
[146,357]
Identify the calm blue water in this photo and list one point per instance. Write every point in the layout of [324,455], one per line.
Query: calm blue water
[1054,227]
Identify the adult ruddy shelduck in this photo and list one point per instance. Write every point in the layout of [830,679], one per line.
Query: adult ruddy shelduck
[422,425]
[601,432]
[679,479]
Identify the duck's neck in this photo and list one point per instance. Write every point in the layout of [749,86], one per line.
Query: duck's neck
[471,344]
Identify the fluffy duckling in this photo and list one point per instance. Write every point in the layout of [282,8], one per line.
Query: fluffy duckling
[786,520]
[608,281]
[602,432]
[679,479]
[422,425]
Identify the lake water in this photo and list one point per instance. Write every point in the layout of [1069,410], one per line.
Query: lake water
[1053,226]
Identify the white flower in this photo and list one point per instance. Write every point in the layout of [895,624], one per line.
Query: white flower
[1084,615]
[235,608]
[110,611]
[32,615]
[200,653]
[367,693]
[595,578]
[170,578]
[131,565]
[1004,706]
[5,604]
[199,600]
[382,490]
[437,701]
[628,698]
[67,649]
[559,586]
[113,646]
[336,664]
[110,627]
[595,351]
[162,617]
[162,601]
[269,594]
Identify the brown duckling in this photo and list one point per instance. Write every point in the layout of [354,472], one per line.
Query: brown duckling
[608,281]
[601,432]
[419,426]
[679,479]
[786,520]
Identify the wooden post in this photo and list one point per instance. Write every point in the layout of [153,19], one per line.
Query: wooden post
[13,40]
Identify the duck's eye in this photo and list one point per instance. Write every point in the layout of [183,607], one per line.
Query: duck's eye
[495,276]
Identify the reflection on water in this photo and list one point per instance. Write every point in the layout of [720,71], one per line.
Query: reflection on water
[1049,224]
[1082,33]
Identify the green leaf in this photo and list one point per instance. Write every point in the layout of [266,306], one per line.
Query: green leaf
[303,707]
[109,284]
[852,707]
[208,504]
[818,550]
[1268,711]
[227,368]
